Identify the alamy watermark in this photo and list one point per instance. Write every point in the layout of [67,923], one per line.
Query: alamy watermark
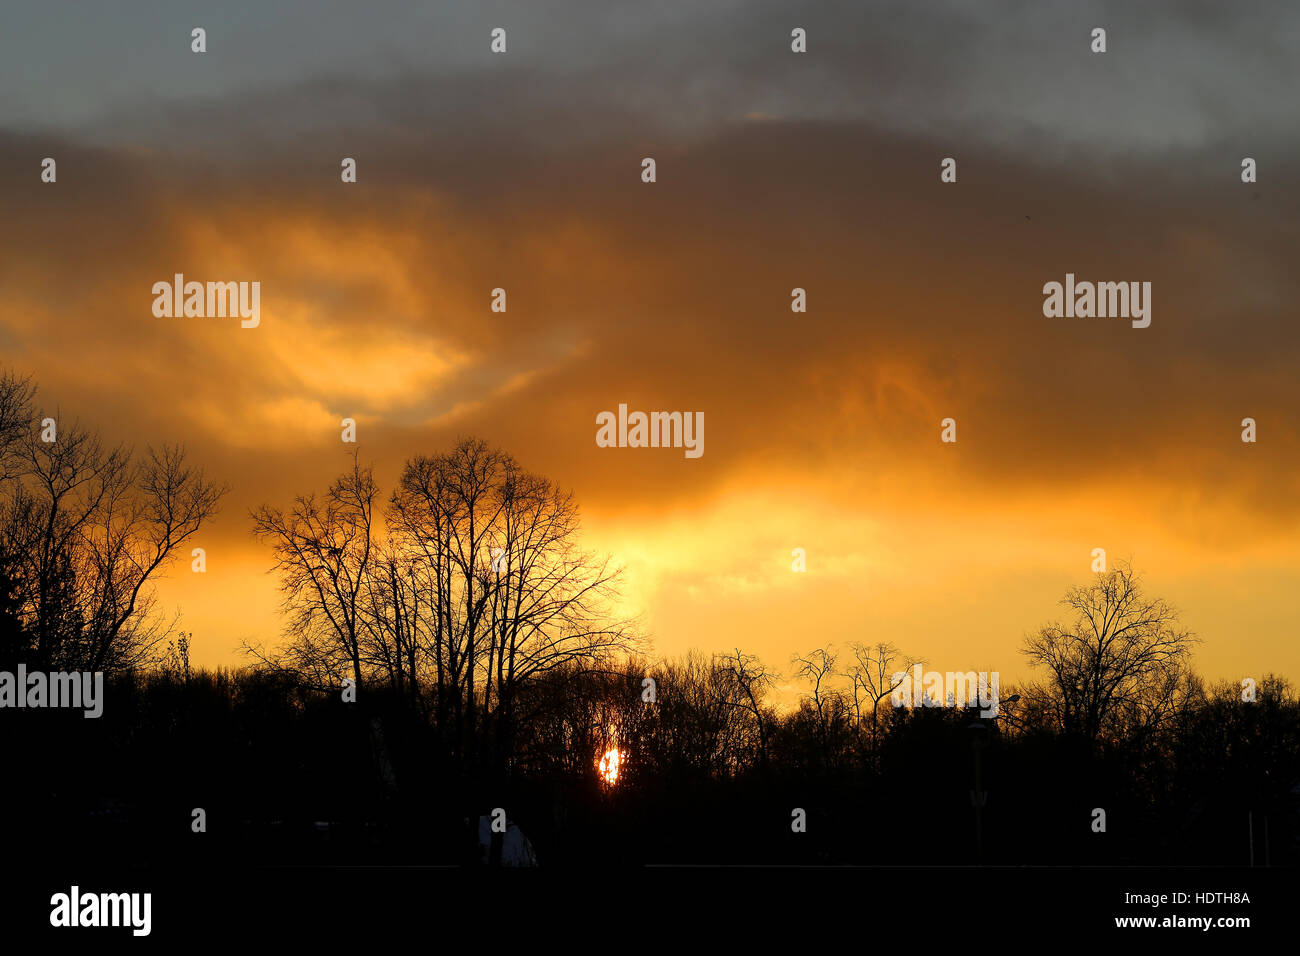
[215,300]
[921,688]
[75,908]
[1123,300]
[651,430]
[80,689]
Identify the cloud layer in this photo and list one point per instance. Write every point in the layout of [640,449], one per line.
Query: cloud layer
[774,171]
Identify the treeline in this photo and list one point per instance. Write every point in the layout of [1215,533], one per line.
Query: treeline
[452,649]
[285,772]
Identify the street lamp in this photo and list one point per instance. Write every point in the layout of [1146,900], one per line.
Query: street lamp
[979,796]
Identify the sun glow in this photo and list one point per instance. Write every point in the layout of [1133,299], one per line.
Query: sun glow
[609,766]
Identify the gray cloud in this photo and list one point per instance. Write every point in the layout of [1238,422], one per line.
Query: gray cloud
[1177,76]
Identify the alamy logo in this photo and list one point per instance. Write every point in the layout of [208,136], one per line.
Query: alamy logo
[921,688]
[1121,300]
[653,430]
[217,300]
[103,909]
[80,689]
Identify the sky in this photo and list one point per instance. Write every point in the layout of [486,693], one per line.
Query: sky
[775,170]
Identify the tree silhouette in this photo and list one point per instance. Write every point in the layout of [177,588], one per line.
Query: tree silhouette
[86,528]
[1122,655]
[469,585]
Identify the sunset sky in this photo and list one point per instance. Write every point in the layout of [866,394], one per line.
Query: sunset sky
[775,170]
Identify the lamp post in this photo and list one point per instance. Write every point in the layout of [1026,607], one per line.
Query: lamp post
[979,736]
[979,796]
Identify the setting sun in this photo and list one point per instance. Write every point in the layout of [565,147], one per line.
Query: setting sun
[609,766]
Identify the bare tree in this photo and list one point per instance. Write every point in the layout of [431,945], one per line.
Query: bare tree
[743,683]
[818,666]
[691,719]
[473,586]
[1122,652]
[875,677]
[420,515]
[510,594]
[324,551]
[829,705]
[139,533]
[87,529]
[15,419]
[550,603]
